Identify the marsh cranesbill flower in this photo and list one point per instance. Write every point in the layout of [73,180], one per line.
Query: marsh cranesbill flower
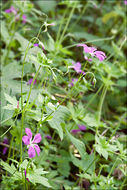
[48,137]
[5,141]
[11,10]
[75,131]
[93,52]
[82,127]
[30,81]
[24,19]
[77,67]
[100,55]
[73,81]
[36,45]
[125,2]
[32,144]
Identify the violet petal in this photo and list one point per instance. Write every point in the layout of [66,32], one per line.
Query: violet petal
[26,140]
[36,45]
[48,137]
[31,152]
[37,138]
[82,127]
[28,132]
[75,131]
[4,150]
[37,149]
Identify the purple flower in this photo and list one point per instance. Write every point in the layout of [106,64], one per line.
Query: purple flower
[100,55]
[32,144]
[75,131]
[92,51]
[73,82]
[11,10]
[77,67]
[25,175]
[125,2]
[48,137]
[82,127]
[36,45]
[5,141]
[8,11]
[30,81]
[24,19]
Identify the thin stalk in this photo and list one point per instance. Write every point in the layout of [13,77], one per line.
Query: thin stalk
[31,87]
[10,147]
[23,112]
[65,28]
[101,104]
[91,41]
[61,23]
[93,97]
[68,21]
[80,16]
[114,165]
[115,130]
[123,183]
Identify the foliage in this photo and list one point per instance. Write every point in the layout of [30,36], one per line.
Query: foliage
[52,82]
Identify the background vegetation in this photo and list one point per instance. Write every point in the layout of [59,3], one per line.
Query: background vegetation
[80,115]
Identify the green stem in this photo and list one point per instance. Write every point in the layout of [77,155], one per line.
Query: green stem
[123,183]
[31,87]
[68,21]
[80,16]
[23,112]
[65,28]
[91,41]
[9,153]
[58,34]
[93,97]
[101,104]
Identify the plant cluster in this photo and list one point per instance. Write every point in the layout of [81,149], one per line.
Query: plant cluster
[63,101]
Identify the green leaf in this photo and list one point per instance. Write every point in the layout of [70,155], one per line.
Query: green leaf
[102,151]
[40,171]
[90,120]
[58,118]
[47,6]
[11,100]
[48,42]
[4,32]
[78,144]
[108,16]
[89,136]
[86,164]
[35,178]
[122,83]
[11,169]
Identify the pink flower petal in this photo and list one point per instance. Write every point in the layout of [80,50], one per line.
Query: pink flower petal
[77,67]
[24,19]
[82,127]
[31,152]
[125,2]
[28,132]
[37,149]
[13,10]
[26,140]
[37,138]
[8,11]
[75,131]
